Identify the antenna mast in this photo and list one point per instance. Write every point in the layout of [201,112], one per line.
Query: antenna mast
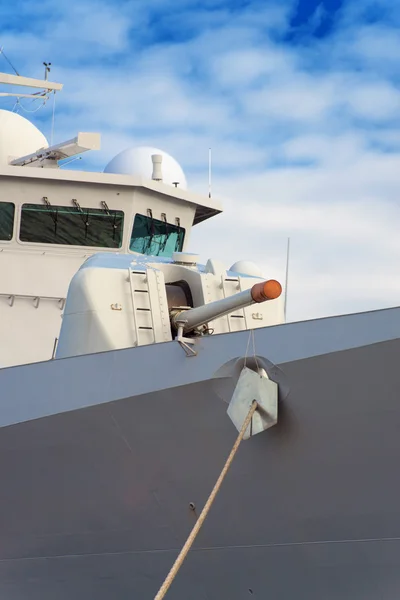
[42,84]
[28,82]
[286,277]
[209,172]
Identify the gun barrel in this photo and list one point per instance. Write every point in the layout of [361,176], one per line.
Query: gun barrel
[195,317]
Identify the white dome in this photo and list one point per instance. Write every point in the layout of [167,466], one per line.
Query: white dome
[18,137]
[137,161]
[247,268]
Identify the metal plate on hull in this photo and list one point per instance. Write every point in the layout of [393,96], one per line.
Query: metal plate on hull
[95,502]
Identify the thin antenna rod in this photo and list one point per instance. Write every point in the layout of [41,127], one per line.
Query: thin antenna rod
[70,161]
[209,172]
[53,119]
[286,276]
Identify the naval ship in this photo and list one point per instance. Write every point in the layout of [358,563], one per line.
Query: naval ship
[121,395]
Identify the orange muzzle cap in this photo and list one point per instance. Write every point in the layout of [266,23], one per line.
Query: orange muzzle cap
[267,290]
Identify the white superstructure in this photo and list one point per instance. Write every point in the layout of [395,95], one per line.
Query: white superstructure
[137,211]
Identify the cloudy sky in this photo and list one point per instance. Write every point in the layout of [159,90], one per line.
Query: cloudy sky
[299,101]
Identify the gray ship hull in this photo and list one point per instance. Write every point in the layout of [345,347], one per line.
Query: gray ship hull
[100,457]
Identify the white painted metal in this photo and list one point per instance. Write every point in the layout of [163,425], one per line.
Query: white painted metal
[83,142]
[190,319]
[157,170]
[137,161]
[107,305]
[11,95]
[185,258]
[8,79]
[33,288]
[236,318]
[45,270]
[18,136]
[246,267]
[108,310]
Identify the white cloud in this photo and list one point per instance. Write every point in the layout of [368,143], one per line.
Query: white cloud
[99,27]
[376,44]
[344,248]
[244,66]
[300,98]
[377,101]
[334,150]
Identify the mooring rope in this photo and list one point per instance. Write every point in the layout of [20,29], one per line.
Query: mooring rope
[183,553]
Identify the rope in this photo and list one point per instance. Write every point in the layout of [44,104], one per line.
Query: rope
[251,337]
[247,348]
[189,542]
[254,349]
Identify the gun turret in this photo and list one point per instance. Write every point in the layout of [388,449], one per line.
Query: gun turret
[189,320]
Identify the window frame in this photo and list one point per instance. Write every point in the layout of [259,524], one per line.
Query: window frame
[73,246]
[15,221]
[146,216]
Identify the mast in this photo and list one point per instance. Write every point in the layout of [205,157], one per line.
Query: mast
[209,172]
[29,82]
[286,277]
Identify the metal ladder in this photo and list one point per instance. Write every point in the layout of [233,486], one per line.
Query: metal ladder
[239,315]
[143,320]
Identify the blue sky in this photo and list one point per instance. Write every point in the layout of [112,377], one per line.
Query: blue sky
[299,101]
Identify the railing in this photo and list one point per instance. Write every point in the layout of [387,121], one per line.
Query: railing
[36,299]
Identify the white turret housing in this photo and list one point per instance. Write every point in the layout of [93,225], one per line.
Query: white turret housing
[116,301]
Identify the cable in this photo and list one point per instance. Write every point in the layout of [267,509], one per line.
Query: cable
[9,62]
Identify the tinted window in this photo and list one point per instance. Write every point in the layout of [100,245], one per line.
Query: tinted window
[7,210]
[157,238]
[69,225]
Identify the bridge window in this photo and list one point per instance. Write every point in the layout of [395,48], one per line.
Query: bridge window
[71,225]
[157,238]
[7,211]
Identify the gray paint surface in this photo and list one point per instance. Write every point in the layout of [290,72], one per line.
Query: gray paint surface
[34,391]
[95,502]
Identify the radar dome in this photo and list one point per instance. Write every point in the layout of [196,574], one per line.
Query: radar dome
[246,267]
[18,137]
[138,161]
